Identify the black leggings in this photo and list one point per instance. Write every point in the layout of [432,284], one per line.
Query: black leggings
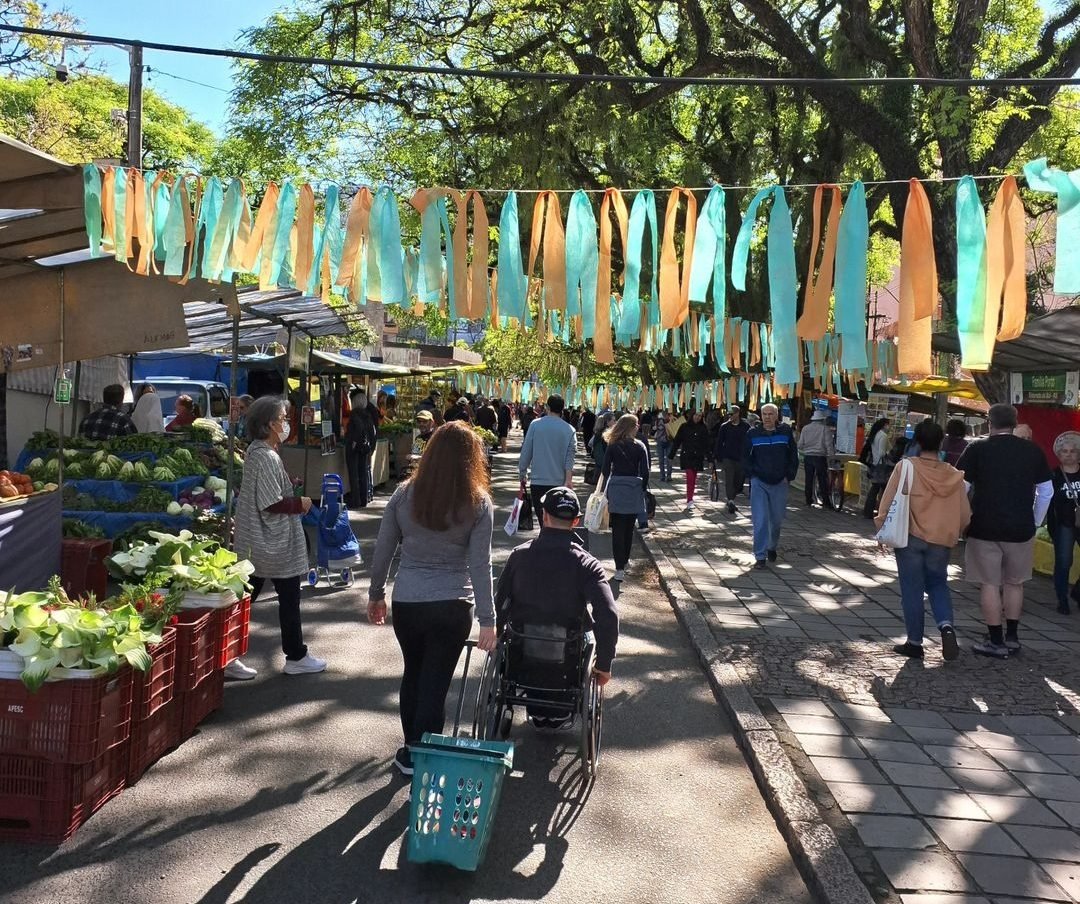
[288,596]
[622,538]
[431,636]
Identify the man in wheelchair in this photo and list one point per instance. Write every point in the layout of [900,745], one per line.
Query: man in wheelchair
[545,594]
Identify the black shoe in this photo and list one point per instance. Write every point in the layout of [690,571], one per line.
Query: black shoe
[1063,608]
[911,650]
[1075,592]
[950,649]
[403,761]
[772,555]
[761,564]
[731,508]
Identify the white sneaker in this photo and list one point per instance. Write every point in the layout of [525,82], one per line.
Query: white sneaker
[309,665]
[239,672]
[619,575]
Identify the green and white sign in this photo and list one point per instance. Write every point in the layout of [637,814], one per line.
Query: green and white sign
[1035,388]
[62,392]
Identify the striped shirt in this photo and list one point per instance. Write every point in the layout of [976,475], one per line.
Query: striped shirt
[273,542]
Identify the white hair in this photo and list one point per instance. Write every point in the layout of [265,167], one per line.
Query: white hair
[1068,439]
[769,406]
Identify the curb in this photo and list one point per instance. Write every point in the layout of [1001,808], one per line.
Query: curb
[824,865]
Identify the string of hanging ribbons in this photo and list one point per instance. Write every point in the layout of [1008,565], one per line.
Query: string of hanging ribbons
[670,293]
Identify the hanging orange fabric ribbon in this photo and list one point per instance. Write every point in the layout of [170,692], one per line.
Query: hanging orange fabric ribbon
[603,349]
[816,293]
[108,208]
[1006,285]
[755,347]
[136,202]
[356,233]
[547,223]
[147,263]
[918,284]
[476,299]
[262,232]
[305,236]
[191,249]
[675,292]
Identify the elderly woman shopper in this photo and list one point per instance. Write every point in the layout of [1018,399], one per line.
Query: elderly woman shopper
[269,532]
[1062,515]
[938,513]
[442,519]
[147,415]
[626,477]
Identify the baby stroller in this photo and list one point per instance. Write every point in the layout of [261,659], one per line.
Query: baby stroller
[338,548]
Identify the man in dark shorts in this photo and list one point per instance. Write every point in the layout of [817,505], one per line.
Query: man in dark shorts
[1011,492]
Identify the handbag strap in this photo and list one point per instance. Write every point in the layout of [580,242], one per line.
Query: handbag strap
[906,474]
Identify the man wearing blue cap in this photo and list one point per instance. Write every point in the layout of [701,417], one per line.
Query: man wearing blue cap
[553,581]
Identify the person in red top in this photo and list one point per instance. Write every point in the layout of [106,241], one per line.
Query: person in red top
[185,414]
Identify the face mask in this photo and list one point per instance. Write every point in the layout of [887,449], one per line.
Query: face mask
[285,430]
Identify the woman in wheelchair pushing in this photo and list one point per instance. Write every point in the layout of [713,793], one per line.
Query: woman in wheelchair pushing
[442,518]
[552,582]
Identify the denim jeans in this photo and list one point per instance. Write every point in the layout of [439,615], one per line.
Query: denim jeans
[1065,540]
[663,446]
[767,504]
[923,569]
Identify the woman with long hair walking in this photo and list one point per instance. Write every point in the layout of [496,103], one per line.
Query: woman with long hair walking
[442,518]
[626,477]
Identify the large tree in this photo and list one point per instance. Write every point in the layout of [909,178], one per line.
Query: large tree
[435,128]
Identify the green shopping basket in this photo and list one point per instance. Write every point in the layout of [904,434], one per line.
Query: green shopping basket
[455,792]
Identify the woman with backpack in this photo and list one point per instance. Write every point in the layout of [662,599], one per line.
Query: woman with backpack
[875,455]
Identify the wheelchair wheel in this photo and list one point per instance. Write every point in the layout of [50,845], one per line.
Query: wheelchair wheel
[490,710]
[591,721]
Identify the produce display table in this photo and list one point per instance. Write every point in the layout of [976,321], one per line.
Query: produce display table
[30,535]
[113,523]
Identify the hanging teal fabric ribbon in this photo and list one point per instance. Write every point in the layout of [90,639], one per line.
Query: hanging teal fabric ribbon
[174,234]
[642,213]
[162,196]
[431,253]
[582,261]
[219,242]
[704,335]
[119,236]
[782,278]
[971,276]
[92,207]
[512,286]
[720,345]
[209,211]
[286,213]
[853,243]
[325,241]
[710,253]
[768,360]
[386,236]
[1041,177]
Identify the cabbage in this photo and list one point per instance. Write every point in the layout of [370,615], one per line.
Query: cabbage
[174,508]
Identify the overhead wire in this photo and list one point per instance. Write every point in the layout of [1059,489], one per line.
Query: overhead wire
[518,75]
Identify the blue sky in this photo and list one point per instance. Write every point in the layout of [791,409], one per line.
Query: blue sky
[204,23]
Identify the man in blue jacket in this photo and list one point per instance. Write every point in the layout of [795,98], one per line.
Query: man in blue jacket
[771,461]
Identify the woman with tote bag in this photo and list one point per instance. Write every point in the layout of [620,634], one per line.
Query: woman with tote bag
[938,511]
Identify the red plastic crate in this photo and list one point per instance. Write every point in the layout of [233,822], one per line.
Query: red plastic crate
[196,649]
[232,626]
[73,721]
[45,803]
[82,567]
[153,738]
[199,703]
[153,688]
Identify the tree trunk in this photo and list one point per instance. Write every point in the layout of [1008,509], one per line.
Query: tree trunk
[993,384]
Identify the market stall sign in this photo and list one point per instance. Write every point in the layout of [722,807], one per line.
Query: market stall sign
[62,392]
[1035,388]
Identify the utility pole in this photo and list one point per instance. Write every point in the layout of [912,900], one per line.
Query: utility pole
[134,111]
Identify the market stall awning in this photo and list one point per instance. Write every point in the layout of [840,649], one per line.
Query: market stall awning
[331,362]
[1048,343]
[962,389]
[41,207]
[263,317]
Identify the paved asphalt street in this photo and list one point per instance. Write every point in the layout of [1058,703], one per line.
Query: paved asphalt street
[286,794]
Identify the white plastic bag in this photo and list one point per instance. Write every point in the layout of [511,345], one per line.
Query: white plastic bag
[511,525]
[894,530]
[596,510]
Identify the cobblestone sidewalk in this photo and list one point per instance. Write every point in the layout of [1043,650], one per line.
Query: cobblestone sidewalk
[947,783]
